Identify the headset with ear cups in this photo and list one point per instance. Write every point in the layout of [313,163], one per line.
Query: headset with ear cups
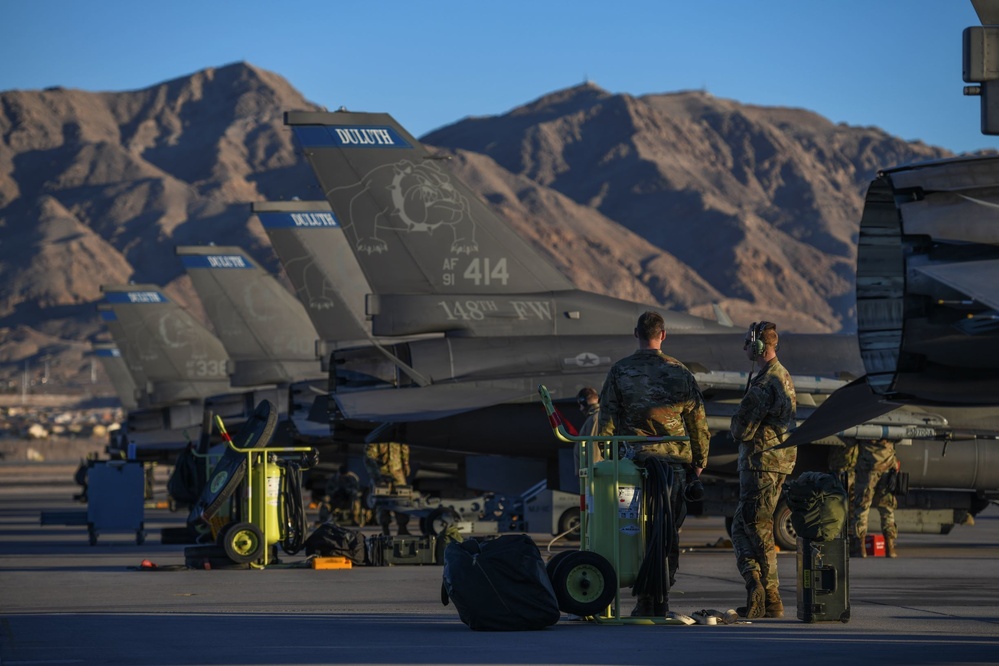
[754,337]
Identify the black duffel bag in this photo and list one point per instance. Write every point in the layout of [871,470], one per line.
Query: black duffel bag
[331,540]
[499,585]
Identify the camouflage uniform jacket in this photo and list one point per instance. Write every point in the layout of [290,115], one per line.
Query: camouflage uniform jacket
[844,458]
[388,461]
[765,414]
[650,393]
[877,455]
[589,427]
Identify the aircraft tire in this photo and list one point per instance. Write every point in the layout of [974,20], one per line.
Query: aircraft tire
[784,534]
[439,520]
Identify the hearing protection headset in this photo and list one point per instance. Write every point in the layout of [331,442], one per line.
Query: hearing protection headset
[754,337]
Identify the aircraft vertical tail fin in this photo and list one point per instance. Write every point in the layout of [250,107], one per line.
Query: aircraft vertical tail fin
[413,226]
[180,359]
[262,326]
[327,278]
[117,370]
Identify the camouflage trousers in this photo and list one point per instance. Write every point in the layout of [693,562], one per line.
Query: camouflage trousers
[868,492]
[753,526]
[385,520]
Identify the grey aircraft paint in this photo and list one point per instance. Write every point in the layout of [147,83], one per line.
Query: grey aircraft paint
[180,358]
[327,279]
[435,256]
[263,327]
[423,239]
[116,368]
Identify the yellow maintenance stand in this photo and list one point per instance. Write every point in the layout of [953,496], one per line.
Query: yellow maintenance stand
[252,500]
[264,509]
[588,582]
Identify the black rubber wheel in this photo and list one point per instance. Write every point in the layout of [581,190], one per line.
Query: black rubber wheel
[570,520]
[584,583]
[555,560]
[244,543]
[220,537]
[439,520]
[784,534]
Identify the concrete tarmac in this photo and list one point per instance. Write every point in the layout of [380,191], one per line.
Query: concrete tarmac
[63,601]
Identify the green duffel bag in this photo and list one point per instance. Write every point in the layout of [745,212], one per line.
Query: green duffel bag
[818,505]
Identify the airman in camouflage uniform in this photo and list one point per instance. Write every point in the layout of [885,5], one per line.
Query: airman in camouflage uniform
[343,498]
[589,403]
[649,394]
[877,458]
[843,462]
[388,462]
[765,415]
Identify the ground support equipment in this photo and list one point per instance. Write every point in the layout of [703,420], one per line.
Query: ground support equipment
[588,582]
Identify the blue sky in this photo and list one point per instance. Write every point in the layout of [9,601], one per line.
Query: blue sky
[895,64]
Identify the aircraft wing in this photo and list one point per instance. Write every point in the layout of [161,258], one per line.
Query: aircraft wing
[425,403]
[977,279]
[849,406]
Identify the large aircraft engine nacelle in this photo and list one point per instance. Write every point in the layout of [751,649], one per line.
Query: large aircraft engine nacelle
[928,282]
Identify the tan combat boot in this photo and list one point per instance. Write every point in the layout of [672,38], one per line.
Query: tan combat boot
[890,548]
[774,606]
[756,597]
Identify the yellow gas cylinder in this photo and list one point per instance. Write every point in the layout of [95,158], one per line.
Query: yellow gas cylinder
[614,512]
[266,493]
[273,531]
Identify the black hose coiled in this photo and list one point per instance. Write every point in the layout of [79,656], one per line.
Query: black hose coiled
[652,578]
[292,508]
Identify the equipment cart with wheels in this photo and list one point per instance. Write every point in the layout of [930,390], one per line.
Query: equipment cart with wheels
[612,523]
[116,498]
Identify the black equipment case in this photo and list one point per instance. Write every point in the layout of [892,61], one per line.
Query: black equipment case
[385,550]
[824,580]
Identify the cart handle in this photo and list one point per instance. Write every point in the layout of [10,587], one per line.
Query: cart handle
[261,449]
[558,426]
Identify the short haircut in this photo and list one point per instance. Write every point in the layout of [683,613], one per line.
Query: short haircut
[769,336]
[650,325]
[587,394]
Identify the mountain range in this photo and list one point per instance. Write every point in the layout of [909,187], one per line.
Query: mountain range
[680,199]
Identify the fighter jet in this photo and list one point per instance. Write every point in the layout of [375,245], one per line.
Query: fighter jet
[410,225]
[445,376]
[179,368]
[927,270]
[265,331]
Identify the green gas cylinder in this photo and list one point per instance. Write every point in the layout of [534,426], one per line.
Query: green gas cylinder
[614,511]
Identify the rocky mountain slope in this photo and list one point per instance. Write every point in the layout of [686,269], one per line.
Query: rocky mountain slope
[679,199]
